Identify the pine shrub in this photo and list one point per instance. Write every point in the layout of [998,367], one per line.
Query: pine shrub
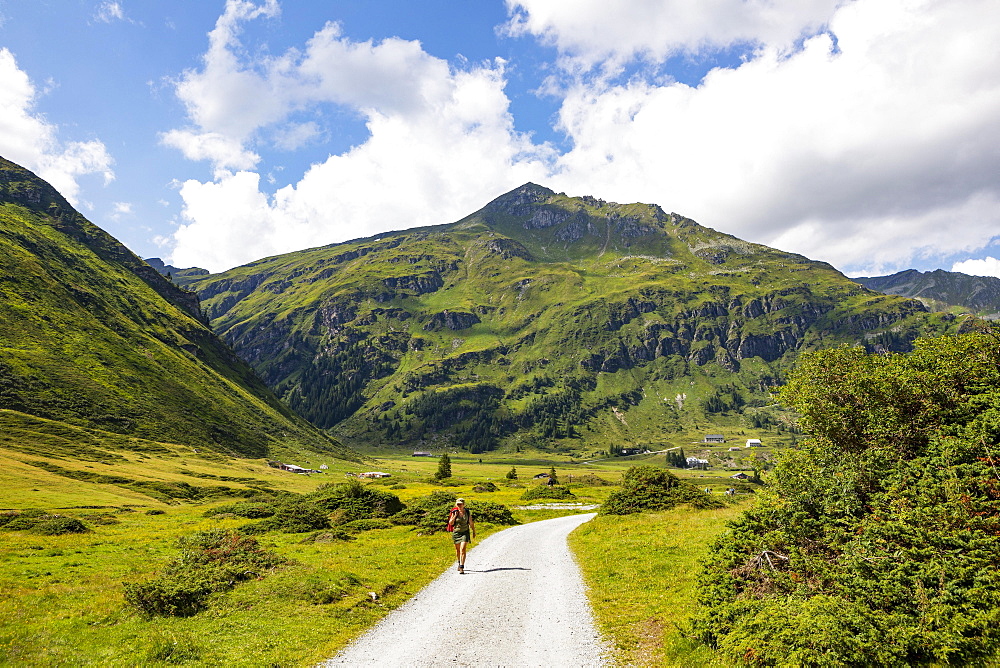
[210,562]
[547,492]
[648,488]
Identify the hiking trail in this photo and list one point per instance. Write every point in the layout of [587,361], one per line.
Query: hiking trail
[521,602]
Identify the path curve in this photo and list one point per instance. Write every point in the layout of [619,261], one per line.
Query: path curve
[521,602]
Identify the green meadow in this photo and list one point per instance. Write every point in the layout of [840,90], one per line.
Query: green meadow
[62,597]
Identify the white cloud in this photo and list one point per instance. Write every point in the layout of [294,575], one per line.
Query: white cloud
[441,143]
[588,33]
[871,152]
[224,151]
[988,266]
[28,139]
[110,11]
[868,145]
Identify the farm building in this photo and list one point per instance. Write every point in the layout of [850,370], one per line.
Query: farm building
[695,463]
[753,443]
[374,474]
[740,476]
[295,469]
[715,438]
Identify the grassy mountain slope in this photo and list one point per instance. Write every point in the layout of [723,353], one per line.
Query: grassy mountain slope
[542,319]
[942,290]
[91,336]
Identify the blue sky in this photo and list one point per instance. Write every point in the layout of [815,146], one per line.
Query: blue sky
[211,133]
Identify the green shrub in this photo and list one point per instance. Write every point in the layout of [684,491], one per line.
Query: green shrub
[57,525]
[485,487]
[647,488]
[878,541]
[297,515]
[21,523]
[251,510]
[369,524]
[356,500]
[428,513]
[155,511]
[8,516]
[492,512]
[210,561]
[547,492]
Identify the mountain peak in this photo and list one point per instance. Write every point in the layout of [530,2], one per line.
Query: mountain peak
[520,200]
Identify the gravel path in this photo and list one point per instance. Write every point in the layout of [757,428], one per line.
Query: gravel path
[520,603]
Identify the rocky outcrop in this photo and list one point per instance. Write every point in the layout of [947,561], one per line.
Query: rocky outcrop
[454,320]
[419,284]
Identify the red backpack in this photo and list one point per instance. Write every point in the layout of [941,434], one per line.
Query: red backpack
[452,514]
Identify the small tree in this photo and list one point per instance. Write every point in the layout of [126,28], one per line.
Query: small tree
[512,474]
[444,467]
[552,476]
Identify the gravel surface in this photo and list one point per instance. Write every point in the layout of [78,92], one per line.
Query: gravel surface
[520,603]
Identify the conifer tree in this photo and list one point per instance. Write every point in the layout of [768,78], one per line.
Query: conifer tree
[512,474]
[444,467]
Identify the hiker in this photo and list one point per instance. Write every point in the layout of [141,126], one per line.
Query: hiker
[460,524]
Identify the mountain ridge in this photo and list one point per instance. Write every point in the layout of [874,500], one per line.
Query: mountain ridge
[528,320]
[941,289]
[93,336]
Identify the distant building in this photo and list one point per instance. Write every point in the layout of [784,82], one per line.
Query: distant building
[735,448]
[715,438]
[740,476]
[753,443]
[295,469]
[374,474]
[422,453]
[695,463]
[631,451]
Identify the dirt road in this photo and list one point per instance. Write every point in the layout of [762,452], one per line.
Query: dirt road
[520,603]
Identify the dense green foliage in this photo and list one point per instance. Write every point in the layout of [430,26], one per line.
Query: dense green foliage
[210,562]
[91,336]
[646,488]
[37,521]
[354,501]
[879,543]
[542,320]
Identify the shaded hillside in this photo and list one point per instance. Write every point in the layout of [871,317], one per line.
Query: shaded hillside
[941,289]
[93,336]
[541,318]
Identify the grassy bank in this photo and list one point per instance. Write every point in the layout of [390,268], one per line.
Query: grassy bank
[642,572]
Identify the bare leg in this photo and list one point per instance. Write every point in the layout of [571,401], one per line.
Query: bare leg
[462,548]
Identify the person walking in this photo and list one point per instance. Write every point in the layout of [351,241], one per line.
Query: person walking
[461,524]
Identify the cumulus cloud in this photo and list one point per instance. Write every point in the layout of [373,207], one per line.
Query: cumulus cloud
[441,143]
[872,144]
[988,266]
[29,140]
[588,33]
[860,132]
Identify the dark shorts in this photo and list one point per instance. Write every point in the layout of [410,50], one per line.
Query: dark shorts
[460,536]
